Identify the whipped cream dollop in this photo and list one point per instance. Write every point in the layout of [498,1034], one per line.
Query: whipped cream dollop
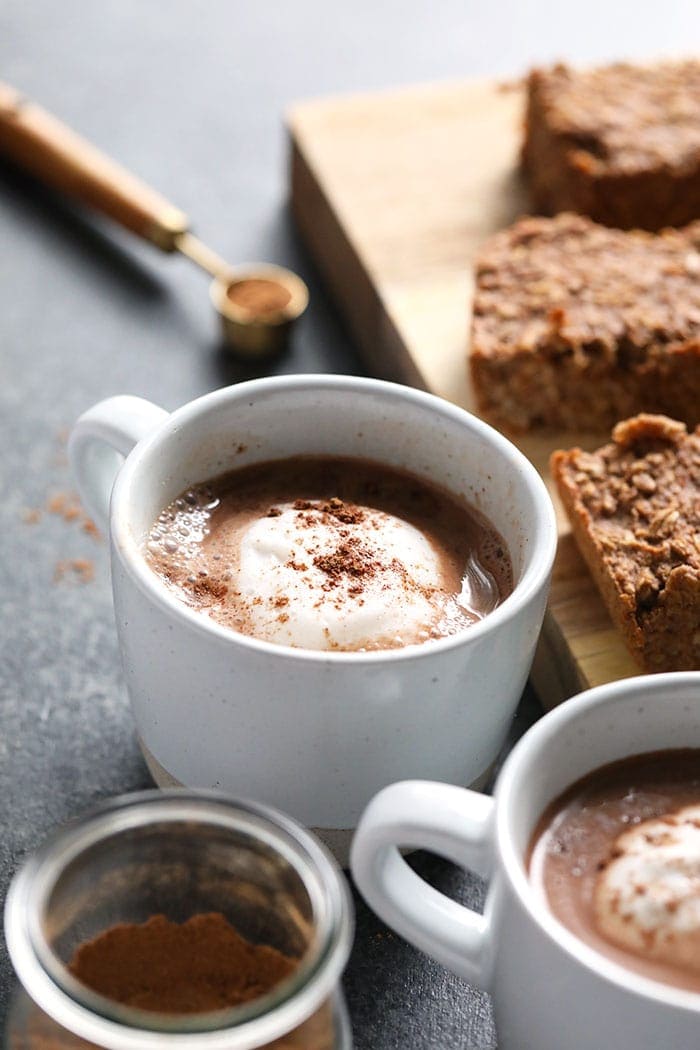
[647,897]
[332,575]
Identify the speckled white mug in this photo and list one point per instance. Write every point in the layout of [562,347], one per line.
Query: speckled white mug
[315,733]
[551,991]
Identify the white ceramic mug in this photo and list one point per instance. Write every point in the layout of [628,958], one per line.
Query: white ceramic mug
[317,733]
[550,990]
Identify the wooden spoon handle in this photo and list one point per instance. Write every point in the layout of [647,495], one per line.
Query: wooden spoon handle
[53,153]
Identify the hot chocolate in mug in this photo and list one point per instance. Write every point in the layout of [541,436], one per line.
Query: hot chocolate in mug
[551,991]
[316,732]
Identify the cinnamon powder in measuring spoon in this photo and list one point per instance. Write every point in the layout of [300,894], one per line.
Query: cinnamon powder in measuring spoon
[196,966]
[259,296]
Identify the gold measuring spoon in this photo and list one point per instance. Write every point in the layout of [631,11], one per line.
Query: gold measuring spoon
[257,303]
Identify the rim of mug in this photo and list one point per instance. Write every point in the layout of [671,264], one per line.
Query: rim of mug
[538,560]
[542,735]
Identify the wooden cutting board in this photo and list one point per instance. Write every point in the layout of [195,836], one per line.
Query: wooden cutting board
[394,193]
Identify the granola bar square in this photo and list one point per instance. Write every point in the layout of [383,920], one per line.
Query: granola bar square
[620,143]
[634,507]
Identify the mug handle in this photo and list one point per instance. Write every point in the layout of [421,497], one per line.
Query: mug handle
[99,442]
[452,821]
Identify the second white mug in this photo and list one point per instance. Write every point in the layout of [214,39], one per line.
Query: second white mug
[550,990]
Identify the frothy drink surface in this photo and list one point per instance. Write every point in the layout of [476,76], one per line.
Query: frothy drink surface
[617,859]
[330,553]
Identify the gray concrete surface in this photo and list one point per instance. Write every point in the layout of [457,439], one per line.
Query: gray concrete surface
[191,96]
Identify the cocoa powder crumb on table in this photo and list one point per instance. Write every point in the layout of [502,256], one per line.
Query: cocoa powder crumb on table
[64,504]
[81,569]
[67,505]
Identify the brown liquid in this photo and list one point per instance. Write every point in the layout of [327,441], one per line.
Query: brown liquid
[575,836]
[195,543]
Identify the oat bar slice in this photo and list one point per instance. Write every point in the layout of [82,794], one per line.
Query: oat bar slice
[619,143]
[634,507]
[576,325]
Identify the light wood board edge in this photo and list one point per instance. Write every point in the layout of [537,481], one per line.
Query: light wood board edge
[341,269]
